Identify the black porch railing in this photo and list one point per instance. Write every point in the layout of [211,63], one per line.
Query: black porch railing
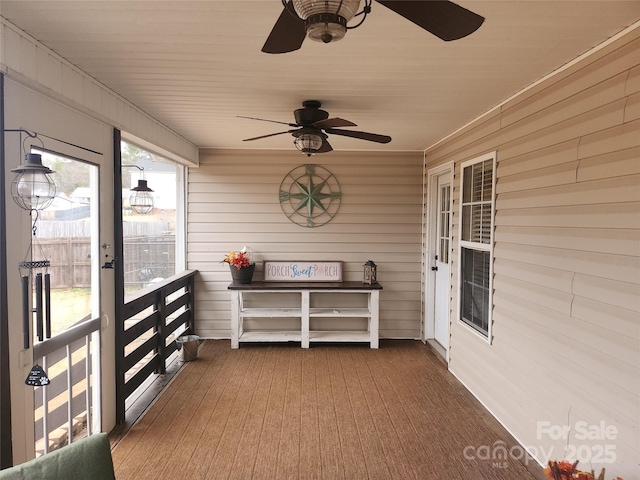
[147,326]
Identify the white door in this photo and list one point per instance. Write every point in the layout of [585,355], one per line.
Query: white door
[81,293]
[441,262]
[438,281]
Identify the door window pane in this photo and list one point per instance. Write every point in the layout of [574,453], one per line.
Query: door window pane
[63,236]
[443,223]
[65,233]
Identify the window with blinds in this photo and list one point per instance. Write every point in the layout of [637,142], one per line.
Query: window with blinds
[477,196]
[476,253]
[475,289]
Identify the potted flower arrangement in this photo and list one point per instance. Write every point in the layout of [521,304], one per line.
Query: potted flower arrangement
[241,265]
[566,470]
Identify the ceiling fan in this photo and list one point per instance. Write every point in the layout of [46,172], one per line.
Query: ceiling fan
[312,127]
[326,21]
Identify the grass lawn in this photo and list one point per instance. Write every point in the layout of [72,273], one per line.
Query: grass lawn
[68,306]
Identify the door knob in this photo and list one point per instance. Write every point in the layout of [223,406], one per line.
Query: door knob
[435,269]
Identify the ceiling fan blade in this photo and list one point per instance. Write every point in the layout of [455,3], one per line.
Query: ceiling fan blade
[333,122]
[372,137]
[265,120]
[287,34]
[325,147]
[444,19]
[266,136]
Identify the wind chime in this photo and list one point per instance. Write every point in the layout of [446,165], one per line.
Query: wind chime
[34,190]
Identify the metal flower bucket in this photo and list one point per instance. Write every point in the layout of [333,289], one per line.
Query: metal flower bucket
[188,347]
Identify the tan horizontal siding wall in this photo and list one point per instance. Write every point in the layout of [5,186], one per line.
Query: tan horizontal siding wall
[233,201]
[566,303]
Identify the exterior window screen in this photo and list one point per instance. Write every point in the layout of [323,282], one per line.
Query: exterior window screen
[149,242]
[475,289]
[476,244]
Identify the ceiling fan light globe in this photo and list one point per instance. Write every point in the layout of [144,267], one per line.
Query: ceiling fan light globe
[326,27]
[308,143]
[326,20]
[344,8]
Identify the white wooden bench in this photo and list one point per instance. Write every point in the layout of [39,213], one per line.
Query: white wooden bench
[305,309]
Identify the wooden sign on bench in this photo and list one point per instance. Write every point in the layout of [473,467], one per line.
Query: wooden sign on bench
[302,271]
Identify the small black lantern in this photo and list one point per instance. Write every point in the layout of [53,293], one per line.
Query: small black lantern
[141,200]
[33,188]
[370,273]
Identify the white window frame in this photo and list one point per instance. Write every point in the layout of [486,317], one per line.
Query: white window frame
[485,247]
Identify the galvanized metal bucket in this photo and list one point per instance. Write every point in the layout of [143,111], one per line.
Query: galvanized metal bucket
[188,347]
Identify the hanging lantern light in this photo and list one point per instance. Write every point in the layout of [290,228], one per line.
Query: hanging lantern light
[370,275]
[33,188]
[141,200]
[326,21]
[308,143]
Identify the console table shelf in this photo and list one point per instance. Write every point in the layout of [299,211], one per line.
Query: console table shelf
[271,312]
[306,293]
[339,336]
[275,336]
[339,312]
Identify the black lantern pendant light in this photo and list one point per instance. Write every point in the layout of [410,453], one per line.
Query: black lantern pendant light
[33,188]
[141,200]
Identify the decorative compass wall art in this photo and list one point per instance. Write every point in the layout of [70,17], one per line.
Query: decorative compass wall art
[310,195]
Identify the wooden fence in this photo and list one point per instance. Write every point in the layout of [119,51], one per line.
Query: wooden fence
[149,252]
[70,261]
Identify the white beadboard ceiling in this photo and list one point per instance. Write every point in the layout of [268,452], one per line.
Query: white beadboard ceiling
[196,65]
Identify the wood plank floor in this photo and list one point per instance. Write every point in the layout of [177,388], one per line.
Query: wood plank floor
[329,412]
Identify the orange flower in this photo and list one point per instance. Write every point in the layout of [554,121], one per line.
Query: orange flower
[241,259]
[562,470]
[565,470]
[579,475]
